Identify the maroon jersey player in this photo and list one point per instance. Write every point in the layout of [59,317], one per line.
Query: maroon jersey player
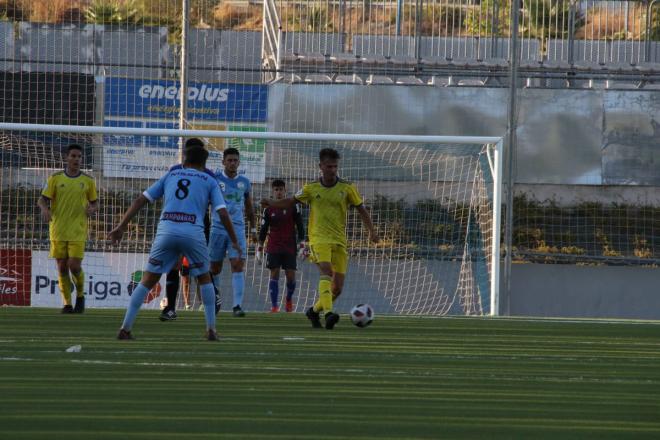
[280,226]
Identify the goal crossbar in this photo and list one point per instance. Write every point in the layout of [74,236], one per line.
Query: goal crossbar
[268,135]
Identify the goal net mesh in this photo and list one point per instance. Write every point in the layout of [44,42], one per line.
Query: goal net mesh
[432,205]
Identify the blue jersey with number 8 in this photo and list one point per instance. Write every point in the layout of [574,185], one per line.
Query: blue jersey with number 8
[187,194]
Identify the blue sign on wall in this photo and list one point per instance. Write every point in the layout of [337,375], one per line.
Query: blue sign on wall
[159,99]
[136,141]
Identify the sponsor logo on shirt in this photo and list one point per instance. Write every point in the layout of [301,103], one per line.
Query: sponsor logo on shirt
[179,217]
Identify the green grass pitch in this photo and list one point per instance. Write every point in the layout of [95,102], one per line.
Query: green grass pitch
[274,377]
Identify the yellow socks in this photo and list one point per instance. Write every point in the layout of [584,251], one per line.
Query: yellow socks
[79,279]
[325,295]
[65,288]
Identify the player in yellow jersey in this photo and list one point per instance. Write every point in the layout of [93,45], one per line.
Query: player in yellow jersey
[329,199]
[66,202]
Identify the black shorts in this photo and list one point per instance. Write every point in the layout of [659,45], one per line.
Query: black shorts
[284,260]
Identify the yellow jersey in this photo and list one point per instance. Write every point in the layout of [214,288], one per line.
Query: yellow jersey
[69,197]
[328,209]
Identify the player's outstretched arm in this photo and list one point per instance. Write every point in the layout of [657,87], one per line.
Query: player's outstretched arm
[116,234]
[303,251]
[366,219]
[92,208]
[44,204]
[229,227]
[263,233]
[252,221]
[287,203]
[263,228]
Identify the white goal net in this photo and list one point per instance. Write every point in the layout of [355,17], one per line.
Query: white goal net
[435,202]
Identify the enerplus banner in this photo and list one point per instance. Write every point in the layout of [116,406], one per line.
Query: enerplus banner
[160,99]
[138,103]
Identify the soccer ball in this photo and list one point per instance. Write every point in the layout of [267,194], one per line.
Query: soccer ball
[362,315]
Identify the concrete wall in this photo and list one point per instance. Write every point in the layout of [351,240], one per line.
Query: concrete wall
[565,137]
[540,290]
[559,290]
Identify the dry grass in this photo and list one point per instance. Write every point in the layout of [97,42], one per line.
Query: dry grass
[50,11]
[226,16]
[600,23]
[607,24]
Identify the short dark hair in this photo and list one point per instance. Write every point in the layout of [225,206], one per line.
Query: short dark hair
[195,155]
[329,153]
[230,151]
[73,147]
[278,183]
[194,142]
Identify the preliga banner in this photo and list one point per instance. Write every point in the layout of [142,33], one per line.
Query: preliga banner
[15,276]
[110,278]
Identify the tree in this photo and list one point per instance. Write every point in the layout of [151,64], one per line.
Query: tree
[538,18]
[654,30]
[112,12]
[10,10]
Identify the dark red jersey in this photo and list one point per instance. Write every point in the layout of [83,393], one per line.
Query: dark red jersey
[280,226]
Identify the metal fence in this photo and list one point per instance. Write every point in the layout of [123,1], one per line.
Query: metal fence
[573,36]
[561,43]
[320,40]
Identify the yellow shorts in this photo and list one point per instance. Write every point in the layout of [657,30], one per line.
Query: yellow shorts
[334,254]
[67,249]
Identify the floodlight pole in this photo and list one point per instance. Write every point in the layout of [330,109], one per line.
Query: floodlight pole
[183,90]
[510,152]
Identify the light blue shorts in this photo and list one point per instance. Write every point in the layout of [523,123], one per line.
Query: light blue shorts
[166,251]
[220,245]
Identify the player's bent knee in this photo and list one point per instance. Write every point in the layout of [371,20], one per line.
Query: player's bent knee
[325,269]
[204,278]
[216,267]
[149,279]
[75,266]
[237,265]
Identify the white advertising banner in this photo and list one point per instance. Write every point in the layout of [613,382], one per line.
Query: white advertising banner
[152,163]
[109,280]
[138,162]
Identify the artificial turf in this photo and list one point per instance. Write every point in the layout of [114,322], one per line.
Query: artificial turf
[274,377]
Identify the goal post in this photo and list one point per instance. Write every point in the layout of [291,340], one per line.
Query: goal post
[436,202]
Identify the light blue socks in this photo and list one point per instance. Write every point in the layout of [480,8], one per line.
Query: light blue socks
[238,283]
[137,298]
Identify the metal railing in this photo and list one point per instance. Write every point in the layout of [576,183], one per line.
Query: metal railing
[271,46]
[395,21]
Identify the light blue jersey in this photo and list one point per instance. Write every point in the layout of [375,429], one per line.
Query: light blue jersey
[234,190]
[187,193]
